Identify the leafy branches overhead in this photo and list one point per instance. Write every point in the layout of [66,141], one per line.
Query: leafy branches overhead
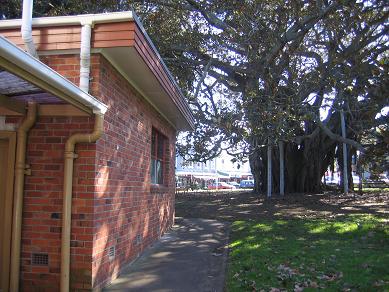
[279,70]
[280,64]
[257,71]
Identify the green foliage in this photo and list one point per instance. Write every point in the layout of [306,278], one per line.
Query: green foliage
[267,69]
[295,255]
[13,8]
[257,72]
[377,159]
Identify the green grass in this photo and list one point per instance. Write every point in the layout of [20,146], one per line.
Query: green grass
[372,190]
[348,254]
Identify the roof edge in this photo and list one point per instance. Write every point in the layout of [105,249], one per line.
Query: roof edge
[183,103]
[71,19]
[19,58]
[111,17]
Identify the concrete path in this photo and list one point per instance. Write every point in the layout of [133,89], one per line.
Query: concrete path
[190,257]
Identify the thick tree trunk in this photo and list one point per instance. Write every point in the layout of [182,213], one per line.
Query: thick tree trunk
[256,165]
[304,165]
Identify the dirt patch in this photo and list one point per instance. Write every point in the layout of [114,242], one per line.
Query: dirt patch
[230,206]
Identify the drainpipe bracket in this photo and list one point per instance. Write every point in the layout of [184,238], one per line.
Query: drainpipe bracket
[27,171]
[20,166]
[71,155]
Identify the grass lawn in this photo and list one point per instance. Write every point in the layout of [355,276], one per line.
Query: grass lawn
[348,253]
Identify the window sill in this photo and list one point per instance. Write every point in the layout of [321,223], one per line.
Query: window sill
[154,188]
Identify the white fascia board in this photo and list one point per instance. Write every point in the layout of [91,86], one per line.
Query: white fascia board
[72,19]
[23,60]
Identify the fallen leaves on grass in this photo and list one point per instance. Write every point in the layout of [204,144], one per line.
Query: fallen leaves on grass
[284,272]
[330,276]
[233,206]
[380,283]
[298,287]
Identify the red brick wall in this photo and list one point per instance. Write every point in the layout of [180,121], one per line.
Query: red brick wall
[42,208]
[69,67]
[129,214]
[113,201]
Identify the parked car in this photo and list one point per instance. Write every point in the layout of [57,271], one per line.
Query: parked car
[220,186]
[336,180]
[246,184]
[233,183]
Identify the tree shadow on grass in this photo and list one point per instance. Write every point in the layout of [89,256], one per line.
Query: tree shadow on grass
[247,205]
[340,254]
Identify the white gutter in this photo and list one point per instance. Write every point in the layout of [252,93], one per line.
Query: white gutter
[19,58]
[26,29]
[72,19]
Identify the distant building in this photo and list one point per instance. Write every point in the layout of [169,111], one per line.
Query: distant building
[199,174]
[236,171]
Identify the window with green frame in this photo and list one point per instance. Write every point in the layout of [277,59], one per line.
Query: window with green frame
[158,159]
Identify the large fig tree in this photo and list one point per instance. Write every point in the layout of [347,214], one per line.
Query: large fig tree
[259,74]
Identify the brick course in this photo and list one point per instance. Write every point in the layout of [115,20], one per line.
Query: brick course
[129,214]
[42,208]
[113,204]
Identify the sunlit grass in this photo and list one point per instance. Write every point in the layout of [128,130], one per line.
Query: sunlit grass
[373,190]
[345,254]
[263,227]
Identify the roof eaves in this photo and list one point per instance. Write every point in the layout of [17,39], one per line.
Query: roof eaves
[182,104]
[71,19]
[179,100]
[14,58]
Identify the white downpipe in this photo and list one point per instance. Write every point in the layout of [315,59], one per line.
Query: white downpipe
[85,52]
[26,29]
[86,32]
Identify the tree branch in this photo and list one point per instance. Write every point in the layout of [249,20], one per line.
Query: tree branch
[206,69]
[339,138]
[210,17]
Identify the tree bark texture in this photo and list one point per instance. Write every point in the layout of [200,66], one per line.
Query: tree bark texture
[304,165]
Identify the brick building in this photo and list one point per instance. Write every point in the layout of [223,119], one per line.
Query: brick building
[80,216]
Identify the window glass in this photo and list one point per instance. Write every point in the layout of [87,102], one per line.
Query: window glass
[153,171]
[158,160]
[159,170]
[160,148]
[153,142]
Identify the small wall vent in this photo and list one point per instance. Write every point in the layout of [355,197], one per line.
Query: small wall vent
[40,259]
[138,239]
[111,253]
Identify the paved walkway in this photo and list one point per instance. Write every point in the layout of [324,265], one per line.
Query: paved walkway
[190,257]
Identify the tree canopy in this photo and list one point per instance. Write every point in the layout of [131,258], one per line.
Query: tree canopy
[259,72]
